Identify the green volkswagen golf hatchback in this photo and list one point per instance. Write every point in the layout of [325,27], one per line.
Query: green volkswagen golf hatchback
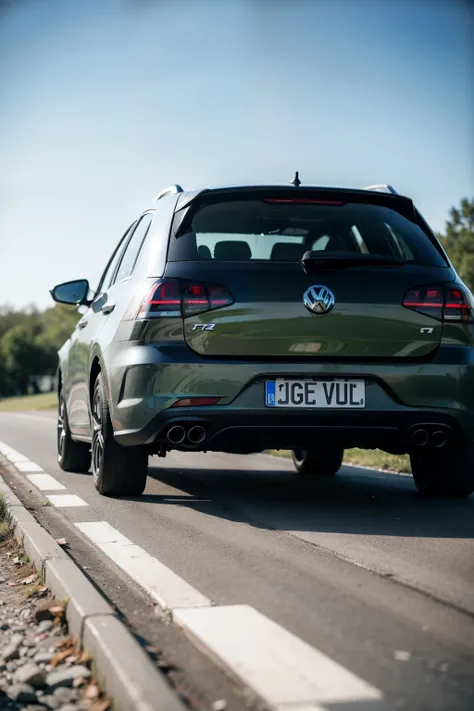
[239,319]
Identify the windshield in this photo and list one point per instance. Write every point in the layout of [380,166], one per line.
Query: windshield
[280,230]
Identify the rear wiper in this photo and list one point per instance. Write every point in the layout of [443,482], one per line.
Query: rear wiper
[335,260]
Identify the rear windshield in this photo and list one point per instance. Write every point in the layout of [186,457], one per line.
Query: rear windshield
[279,230]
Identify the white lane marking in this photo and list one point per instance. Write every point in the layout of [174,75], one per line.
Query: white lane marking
[28,467]
[5,449]
[45,482]
[66,500]
[164,586]
[16,457]
[276,664]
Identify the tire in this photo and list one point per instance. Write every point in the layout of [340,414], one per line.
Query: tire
[72,456]
[116,470]
[446,473]
[325,461]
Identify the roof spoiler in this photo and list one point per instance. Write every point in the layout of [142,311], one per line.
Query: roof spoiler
[383,191]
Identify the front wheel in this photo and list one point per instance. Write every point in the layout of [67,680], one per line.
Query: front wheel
[444,473]
[320,461]
[116,470]
[72,456]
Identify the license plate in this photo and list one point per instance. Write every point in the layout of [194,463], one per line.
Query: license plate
[335,394]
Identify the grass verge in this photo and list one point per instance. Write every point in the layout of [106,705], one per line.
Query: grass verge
[43,401]
[368,458]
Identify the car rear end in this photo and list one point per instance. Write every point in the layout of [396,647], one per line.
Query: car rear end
[231,345]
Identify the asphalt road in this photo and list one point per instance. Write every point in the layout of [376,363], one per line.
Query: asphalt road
[358,567]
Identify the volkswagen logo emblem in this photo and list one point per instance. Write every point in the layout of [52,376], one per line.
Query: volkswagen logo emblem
[318,299]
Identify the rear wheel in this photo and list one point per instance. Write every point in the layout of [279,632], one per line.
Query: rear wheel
[444,473]
[116,470]
[72,456]
[320,461]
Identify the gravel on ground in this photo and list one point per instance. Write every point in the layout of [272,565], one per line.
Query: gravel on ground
[41,665]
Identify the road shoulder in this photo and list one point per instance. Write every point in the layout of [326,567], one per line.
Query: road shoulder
[124,669]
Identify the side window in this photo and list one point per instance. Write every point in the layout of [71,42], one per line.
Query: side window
[321,243]
[113,261]
[132,251]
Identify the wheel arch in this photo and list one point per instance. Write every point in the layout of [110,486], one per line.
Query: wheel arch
[59,380]
[95,369]
[97,366]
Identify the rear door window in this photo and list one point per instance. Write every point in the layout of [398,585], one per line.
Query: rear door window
[107,276]
[242,230]
[133,248]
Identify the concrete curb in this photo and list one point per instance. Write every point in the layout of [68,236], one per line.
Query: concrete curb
[124,669]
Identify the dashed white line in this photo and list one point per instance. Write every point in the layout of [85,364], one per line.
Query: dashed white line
[164,586]
[66,500]
[45,482]
[281,668]
[28,467]
[6,450]
[16,457]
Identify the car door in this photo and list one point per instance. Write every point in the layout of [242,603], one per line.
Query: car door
[105,314]
[87,328]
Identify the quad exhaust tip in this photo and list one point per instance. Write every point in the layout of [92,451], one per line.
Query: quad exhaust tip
[176,434]
[439,438]
[420,437]
[194,435]
[197,434]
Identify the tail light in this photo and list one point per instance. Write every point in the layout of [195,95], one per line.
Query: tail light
[174,298]
[458,305]
[445,303]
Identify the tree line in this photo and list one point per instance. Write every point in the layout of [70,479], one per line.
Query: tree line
[30,339]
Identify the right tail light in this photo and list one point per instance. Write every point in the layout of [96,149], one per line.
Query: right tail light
[443,302]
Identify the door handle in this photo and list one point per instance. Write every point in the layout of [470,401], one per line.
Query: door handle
[107,309]
[82,323]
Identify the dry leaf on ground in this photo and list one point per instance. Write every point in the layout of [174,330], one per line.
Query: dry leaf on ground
[61,656]
[29,580]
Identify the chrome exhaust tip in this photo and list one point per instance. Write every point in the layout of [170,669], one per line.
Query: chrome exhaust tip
[420,438]
[197,434]
[176,434]
[439,438]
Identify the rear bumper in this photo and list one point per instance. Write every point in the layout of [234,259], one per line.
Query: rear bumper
[251,432]
[399,397]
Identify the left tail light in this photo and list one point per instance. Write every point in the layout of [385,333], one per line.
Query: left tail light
[172,298]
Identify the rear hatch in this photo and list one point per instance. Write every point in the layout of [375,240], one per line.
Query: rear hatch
[307,273]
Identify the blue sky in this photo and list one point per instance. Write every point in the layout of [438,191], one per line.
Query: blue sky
[103,103]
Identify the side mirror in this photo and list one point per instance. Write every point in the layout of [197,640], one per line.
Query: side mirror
[71,292]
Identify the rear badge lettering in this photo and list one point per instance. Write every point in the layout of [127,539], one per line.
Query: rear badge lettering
[204,327]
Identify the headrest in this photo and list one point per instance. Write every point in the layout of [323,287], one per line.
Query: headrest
[204,252]
[287,251]
[232,250]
